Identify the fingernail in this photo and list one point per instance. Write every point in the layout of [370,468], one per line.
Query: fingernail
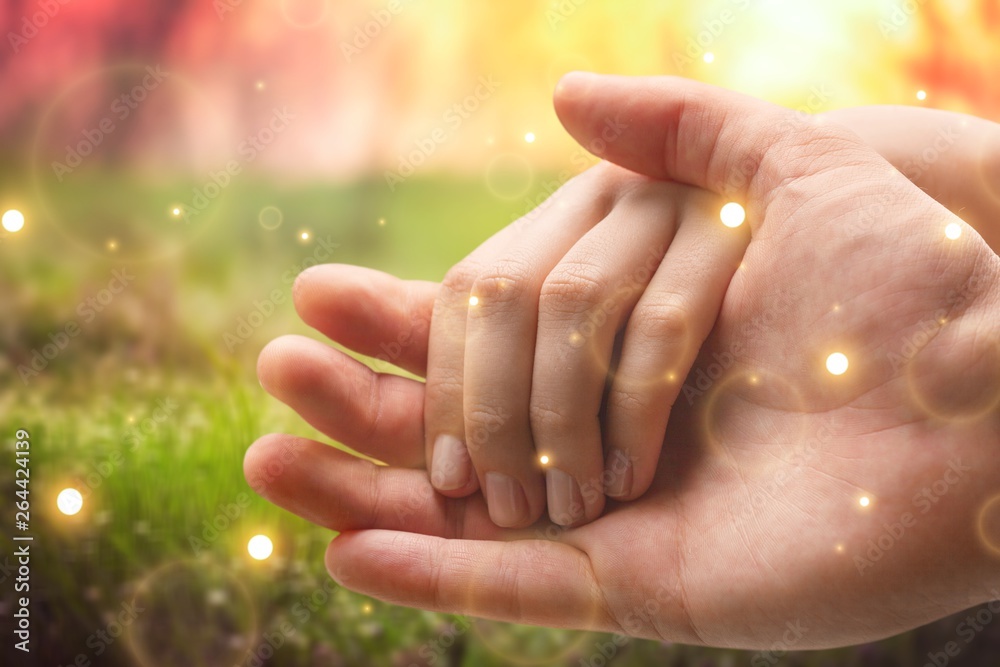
[564,497]
[506,500]
[451,467]
[618,469]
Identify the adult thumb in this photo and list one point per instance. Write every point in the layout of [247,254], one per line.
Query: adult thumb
[673,128]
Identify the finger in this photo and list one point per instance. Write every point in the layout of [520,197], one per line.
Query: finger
[500,350]
[369,312]
[583,302]
[534,582]
[664,334]
[675,128]
[954,157]
[379,415]
[342,492]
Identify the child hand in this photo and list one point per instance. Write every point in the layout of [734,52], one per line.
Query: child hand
[615,270]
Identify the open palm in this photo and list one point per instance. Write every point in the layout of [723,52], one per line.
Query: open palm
[779,481]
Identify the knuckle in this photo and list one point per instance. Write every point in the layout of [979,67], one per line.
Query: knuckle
[572,289]
[548,419]
[665,320]
[628,400]
[482,421]
[503,284]
[459,280]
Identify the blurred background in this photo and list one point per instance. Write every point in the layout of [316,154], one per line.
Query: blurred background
[167,168]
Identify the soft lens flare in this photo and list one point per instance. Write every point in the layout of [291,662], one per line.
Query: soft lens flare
[260,547]
[837,363]
[732,215]
[69,501]
[13,220]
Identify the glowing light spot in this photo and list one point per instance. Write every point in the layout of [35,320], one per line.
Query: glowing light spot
[260,547]
[864,501]
[921,95]
[69,501]
[530,137]
[366,609]
[13,220]
[473,300]
[576,339]
[176,211]
[381,222]
[732,215]
[543,459]
[260,85]
[304,236]
[709,57]
[839,548]
[837,363]
[754,380]
[112,245]
[953,230]
[836,307]
[671,377]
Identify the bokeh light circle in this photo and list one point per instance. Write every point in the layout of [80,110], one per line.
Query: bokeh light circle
[732,215]
[181,626]
[13,220]
[260,547]
[69,501]
[837,363]
[270,217]
[775,401]
[988,525]
[968,401]
[115,153]
[509,176]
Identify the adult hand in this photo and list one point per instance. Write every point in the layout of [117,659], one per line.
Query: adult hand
[778,482]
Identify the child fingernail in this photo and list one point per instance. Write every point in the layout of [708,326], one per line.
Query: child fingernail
[564,497]
[506,500]
[451,467]
[618,471]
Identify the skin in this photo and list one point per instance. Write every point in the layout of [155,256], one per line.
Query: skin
[753,530]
